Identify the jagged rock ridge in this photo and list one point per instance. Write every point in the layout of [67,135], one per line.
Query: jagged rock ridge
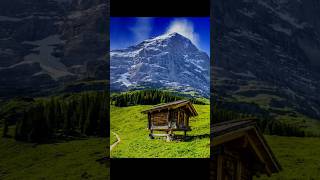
[268,53]
[169,61]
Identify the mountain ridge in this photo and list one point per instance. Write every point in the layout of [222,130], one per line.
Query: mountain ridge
[45,44]
[267,53]
[165,61]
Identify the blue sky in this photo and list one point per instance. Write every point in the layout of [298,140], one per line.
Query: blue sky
[126,31]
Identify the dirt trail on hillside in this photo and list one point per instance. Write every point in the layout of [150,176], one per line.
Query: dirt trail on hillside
[118,141]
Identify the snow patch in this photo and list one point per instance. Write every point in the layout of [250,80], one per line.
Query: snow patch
[124,79]
[247,12]
[15,19]
[248,34]
[12,19]
[47,61]
[277,27]
[128,54]
[247,74]
[283,15]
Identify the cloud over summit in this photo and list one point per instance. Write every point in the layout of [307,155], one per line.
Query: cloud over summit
[185,28]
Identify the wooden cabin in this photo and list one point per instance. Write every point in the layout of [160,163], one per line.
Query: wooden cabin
[239,152]
[173,116]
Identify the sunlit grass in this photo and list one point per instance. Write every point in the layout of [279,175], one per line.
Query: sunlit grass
[76,159]
[299,157]
[131,126]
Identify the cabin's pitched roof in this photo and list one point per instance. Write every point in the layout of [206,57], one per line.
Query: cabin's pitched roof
[232,130]
[229,126]
[173,105]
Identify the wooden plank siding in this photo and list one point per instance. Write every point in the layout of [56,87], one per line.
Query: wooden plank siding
[159,119]
[170,117]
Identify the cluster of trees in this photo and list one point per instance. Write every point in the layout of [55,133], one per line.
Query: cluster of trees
[69,115]
[147,97]
[266,124]
[222,115]
[276,127]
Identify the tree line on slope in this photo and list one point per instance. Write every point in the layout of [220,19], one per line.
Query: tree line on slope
[60,116]
[87,114]
[267,124]
[147,97]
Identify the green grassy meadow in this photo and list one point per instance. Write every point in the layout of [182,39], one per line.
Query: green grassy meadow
[131,125]
[75,159]
[299,158]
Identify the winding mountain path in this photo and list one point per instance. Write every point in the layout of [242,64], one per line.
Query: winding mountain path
[118,141]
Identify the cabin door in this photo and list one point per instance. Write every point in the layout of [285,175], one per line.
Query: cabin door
[181,119]
[226,168]
[229,170]
[173,118]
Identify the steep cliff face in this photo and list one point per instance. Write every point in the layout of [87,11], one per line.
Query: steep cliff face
[268,53]
[86,33]
[169,61]
[44,44]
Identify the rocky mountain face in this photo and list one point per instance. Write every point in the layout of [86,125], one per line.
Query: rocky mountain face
[44,44]
[267,53]
[168,61]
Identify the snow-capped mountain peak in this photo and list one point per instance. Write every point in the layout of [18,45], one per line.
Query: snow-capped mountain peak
[168,61]
[168,36]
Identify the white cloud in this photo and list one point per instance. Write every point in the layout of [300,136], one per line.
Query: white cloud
[142,29]
[185,28]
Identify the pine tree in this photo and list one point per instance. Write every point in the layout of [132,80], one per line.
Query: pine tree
[5,128]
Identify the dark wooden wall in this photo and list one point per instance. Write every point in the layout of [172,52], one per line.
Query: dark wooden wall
[159,118]
[162,118]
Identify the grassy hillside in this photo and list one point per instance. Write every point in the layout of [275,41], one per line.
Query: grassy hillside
[279,108]
[76,159]
[299,157]
[131,126]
